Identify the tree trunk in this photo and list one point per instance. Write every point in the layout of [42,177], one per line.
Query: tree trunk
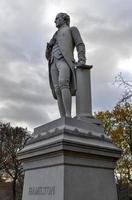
[14,189]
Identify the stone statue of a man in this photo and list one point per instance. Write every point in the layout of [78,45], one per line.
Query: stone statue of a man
[59,53]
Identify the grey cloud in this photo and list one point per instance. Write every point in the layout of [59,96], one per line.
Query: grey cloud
[31,87]
[25,96]
[108,95]
[32,115]
[22,34]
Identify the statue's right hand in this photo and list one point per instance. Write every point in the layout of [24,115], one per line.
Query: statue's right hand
[48,51]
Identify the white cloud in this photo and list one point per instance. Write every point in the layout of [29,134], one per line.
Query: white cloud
[125,65]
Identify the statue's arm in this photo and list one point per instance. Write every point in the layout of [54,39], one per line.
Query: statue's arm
[48,51]
[79,45]
[49,47]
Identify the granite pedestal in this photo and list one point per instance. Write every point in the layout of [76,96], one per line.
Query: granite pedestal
[69,159]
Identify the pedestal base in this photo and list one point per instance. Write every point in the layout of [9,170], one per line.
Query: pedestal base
[68,159]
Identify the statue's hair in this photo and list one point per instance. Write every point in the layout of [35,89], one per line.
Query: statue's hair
[66,18]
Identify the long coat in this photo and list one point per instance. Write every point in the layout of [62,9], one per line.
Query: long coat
[67,39]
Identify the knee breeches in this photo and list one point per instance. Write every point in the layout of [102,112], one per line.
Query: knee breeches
[60,73]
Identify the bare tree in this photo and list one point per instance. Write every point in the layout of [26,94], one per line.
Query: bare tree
[126,86]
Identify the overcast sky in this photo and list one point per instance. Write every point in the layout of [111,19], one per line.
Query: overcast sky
[25,28]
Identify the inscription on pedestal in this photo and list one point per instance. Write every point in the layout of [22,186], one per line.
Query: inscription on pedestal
[38,190]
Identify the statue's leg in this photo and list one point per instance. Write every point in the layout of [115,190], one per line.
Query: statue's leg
[60,102]
[66,96]
[64,79]
[55,77]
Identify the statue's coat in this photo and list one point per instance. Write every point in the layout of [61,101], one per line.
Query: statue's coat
[67,38]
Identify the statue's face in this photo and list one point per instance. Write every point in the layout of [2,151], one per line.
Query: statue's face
[59,21]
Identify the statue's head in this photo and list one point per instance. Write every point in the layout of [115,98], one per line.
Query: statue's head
[62,18]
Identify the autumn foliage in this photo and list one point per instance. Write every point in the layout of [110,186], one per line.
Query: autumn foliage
[118,125]
[12,139]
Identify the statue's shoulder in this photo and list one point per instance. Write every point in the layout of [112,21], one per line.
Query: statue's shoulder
[74,28]
[74,31]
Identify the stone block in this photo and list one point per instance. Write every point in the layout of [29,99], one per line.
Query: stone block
[69,159]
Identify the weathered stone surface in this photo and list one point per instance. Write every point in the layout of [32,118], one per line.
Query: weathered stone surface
[69,159]
[83,127]
[83,93]
[43,184]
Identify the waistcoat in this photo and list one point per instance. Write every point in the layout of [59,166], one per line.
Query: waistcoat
[56,52]
[65,43]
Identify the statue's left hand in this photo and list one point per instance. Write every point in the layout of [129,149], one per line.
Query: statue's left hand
[81,63]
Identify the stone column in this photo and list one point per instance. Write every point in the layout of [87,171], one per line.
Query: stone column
[83,94]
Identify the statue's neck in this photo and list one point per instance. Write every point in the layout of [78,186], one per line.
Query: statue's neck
[64,25]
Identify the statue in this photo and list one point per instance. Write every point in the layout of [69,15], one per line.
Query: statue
[59,53]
